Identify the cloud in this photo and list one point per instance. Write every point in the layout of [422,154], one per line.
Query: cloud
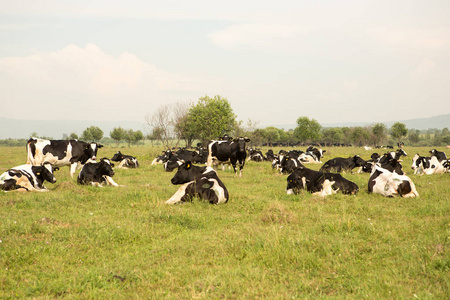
[83,81]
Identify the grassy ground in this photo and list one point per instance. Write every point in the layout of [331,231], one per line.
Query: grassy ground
[85,242]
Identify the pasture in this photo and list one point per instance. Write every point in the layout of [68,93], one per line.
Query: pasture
[85,242]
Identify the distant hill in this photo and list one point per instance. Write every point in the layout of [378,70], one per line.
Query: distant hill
[438,122]
[17,129]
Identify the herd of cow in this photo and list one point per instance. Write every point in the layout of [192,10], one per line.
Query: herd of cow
[386,175]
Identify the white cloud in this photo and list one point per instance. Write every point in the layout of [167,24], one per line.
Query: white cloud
[72,79]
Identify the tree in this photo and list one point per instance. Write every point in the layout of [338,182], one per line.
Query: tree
[360,136]
[414,136]
[161,119]
[379,131]
[138,136]
[73,136]
[307,129]
[332,135]
[180,123]
[271,135]
[117,134]
[92,133]
[211,118]
[398,130]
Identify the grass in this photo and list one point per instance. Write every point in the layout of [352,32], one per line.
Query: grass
[125,243]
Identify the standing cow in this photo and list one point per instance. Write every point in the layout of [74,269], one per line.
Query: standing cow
[59,153]
[229,150]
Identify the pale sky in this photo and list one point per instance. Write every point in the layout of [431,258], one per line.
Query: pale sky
[334,61]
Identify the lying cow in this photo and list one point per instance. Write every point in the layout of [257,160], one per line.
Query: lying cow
[441,156]
[313,181]
[97,173]
[201,182]
[389,184]
[427,165]
[59,153]
[312,155]
[340,164]
[125,161]
[27,178]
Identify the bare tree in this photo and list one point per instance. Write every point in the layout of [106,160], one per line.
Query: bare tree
[161,119]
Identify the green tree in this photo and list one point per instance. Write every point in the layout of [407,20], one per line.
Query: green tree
[332,135]
[398,130]
[138,136]
[379,131]
[360,136]
[129,137]
[92,133]
[307,129]
[271,135]
[414,136]
[73,136]
[117,134]
[211,118]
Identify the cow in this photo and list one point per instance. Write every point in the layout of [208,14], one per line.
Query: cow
[392,155]
[427,165]
[270,156]
[288,164]
[59,153]
[173,163]
[340,164]
[27,178]
[188,155]
[313,181]
[233,151]
[255,155]
[439,155]
[312,155]
[390,184]
[97,173]
[126,161]
[201,182]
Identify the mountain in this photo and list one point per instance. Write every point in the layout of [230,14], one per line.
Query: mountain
[438,122]
[18,129]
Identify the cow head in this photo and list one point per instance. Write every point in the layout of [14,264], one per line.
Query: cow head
[295,183]
[241,143]
[358,161]
[117,157]
[106,167]
[45,172]
[184,173]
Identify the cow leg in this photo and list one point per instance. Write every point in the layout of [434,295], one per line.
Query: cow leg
[73,168]
[180,194]
[110,181]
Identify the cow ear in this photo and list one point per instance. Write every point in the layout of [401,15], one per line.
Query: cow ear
[247,139]
[99,146]
[188,165]
[56,169]
[87,147]
[38,173]
[112,165]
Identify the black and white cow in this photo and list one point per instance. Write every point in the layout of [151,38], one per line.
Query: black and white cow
[438,154]
[289,164]
[340,164]
[270,156]
[27,178]
[97,173]
[200,182]
[173,163]
[125,161]
[189,155]
[59,153]
[427,165]
[233,151]
[165,156]
[390,184]
[392,155]
[312,155]
[255,155]
[313,181]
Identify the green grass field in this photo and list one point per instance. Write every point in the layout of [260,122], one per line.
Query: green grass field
[125,243]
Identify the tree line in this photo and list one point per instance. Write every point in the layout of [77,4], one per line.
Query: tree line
[211,118]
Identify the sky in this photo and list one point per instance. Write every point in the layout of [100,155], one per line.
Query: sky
[274,61]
